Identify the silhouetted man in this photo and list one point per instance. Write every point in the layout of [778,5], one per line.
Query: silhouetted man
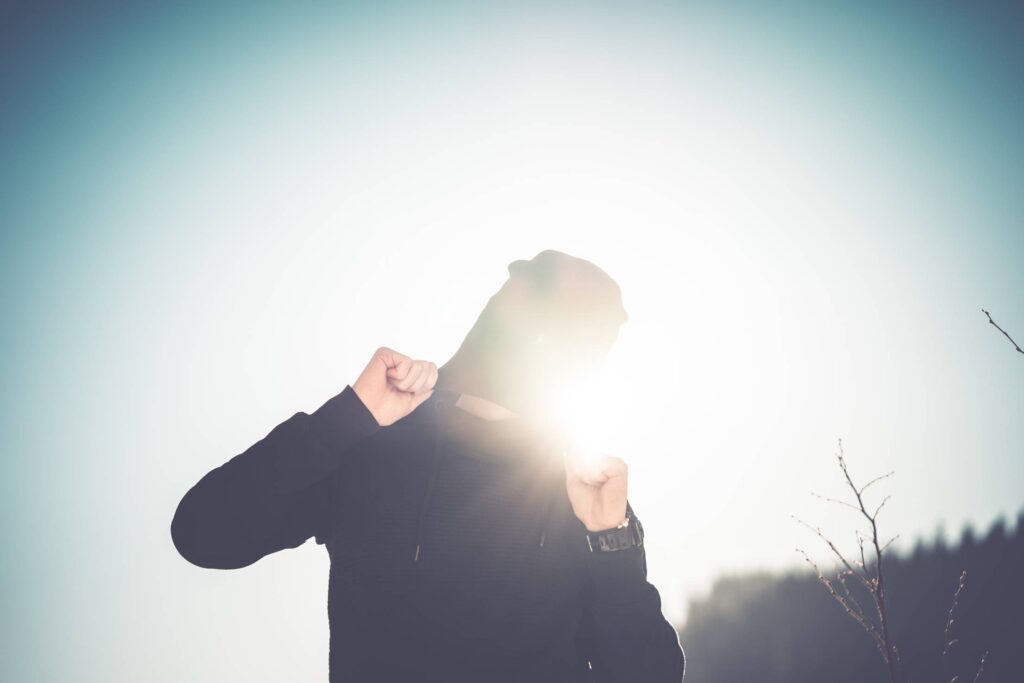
[464,546]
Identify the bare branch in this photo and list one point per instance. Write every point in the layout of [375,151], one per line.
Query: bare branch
[878,583]
[874,584]
[899,657]
[835,551]
[1005,334]
[835,500]
[889,543]
[867,623]
[875,481]
[981,667]
[879,508]
[873,579]
[950,641]
[852,608]
[879,595]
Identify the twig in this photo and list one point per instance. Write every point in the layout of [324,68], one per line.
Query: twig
[950,641]
[850,605]
[836,501]
[875,481]
[890,542]
[835,551]
[981,667]
[1005,333]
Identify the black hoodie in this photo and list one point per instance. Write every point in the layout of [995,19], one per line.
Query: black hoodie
[455,553]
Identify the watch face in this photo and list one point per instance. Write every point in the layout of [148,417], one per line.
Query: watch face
[615,539]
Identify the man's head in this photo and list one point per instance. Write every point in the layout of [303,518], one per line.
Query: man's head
[554,318]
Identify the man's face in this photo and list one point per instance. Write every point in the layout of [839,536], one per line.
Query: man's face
[554,342]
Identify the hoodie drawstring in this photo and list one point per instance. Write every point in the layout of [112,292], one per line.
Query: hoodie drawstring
[425,503]
[544,519]
[558,481]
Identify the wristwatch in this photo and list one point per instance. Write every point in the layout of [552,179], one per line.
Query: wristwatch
[629,534]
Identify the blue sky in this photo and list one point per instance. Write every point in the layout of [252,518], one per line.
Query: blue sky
[211,217]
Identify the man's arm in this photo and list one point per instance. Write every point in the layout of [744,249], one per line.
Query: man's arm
[627,639]
[624,636]
[277,493]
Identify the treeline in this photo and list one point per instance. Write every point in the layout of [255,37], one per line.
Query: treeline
[787,628]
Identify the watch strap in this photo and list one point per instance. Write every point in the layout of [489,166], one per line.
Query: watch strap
[628,535]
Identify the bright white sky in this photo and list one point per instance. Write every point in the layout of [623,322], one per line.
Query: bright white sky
[240,224]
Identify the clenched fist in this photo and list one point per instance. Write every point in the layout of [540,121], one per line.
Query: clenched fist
[597,490]
[393,385]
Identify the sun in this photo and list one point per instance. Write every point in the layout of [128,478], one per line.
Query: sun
[580,409]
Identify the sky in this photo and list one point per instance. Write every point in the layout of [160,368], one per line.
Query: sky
[211,214]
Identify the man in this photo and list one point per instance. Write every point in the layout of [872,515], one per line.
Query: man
[464,545]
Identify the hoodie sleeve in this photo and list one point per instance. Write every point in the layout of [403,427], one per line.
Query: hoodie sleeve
[626,637]
[276,494]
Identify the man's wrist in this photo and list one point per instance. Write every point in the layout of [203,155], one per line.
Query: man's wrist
[628,534]
[364,400]
[620,538]
[601,528]
[344,419]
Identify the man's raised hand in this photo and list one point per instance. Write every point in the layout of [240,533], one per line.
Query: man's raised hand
[393,385]
[597,488]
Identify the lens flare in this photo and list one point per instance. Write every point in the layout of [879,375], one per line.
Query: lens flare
[580,411]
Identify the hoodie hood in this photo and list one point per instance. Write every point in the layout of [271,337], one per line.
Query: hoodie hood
[510,442]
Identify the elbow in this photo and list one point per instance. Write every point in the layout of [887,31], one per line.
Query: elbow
[678,664]
[676,658]
[196,539]
[187,538]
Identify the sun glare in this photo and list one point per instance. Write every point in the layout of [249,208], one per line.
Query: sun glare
[581,411]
